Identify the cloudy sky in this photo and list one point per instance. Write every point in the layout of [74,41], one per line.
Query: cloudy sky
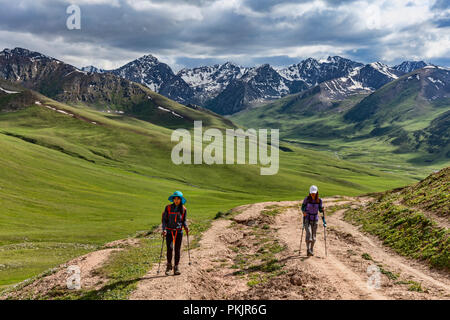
[249,32]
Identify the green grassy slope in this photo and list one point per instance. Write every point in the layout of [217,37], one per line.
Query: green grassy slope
[68,185]
[395,128]
[404,219]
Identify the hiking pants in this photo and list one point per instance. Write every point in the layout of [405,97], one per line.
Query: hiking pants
[311,230]
[170,246]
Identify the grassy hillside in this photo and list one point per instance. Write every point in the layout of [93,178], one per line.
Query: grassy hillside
[402,127]
[408,219]
[72,178]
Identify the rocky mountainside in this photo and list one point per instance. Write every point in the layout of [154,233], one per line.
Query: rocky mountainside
[409,66]
[157,76]
[255,86]
[93,69]
[313,71]
[209,81]
[264,83]
[360,80]
[103,91]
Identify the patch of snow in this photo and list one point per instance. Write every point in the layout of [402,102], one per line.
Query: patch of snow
[38,103]
[167,110]
[60,111]
[164,109]
[435,80]
[8,92]
[76,70]
[383,69]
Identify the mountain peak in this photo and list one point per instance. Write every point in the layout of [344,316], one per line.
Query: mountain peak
[409,66]
[378,65]
[148,58]
[230,64]
[24,53]
[265,66]
[335,58]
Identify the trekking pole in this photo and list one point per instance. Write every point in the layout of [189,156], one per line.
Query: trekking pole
[160,255]
[189,253]
[301,238]
[325,236]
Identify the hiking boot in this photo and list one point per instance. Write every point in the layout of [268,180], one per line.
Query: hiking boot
[176,271]
[168,269]
[312,252]
[309,254]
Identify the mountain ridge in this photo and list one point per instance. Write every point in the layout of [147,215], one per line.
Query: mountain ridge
[207,86]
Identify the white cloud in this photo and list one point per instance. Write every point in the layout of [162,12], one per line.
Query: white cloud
[296,10]
[179,12]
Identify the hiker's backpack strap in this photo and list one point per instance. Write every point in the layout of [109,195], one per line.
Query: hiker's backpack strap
[183,214]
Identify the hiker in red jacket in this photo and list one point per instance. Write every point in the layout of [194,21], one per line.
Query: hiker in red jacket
[311,207]
[173,222]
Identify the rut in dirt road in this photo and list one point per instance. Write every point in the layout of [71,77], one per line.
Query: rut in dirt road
[255,255]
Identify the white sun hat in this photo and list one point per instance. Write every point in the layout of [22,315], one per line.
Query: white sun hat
[313,189]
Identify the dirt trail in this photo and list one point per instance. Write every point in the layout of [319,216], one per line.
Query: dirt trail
[253,253]
[342,274]
[87,264]
[347,270]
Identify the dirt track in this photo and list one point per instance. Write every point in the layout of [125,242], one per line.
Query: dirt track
[342,274]
[254,254]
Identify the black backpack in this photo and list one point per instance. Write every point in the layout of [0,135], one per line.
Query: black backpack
[175,219]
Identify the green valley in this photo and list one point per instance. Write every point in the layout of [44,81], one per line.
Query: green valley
[402,127]
[73,178]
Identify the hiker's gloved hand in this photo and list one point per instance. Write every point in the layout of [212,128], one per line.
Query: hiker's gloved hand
[164,233]
[324,222]
[186,229]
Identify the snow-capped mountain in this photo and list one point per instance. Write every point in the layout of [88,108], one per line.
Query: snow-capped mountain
[409,66]
[256,85]
[210,81]
[239,87]
[313,71]
[29,68]
[360,80]
[157,76]
[93,69]
[21,53]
